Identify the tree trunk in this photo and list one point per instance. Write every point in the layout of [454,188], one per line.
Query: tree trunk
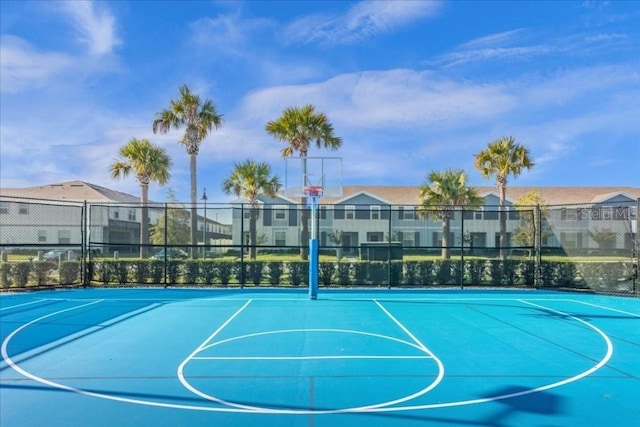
[445,237]
[144,221]
[194,206]
[304,217]
[252,233]
[503,221]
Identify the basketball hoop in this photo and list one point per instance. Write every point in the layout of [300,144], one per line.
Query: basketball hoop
[313,190]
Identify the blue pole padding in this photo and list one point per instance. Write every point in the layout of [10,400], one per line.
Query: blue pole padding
[313,268]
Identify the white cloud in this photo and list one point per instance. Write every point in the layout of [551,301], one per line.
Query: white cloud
[364,20]
[228,33]
[23,66]
[94,24]
[397,98]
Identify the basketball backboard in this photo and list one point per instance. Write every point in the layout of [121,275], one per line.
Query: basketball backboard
[303,172]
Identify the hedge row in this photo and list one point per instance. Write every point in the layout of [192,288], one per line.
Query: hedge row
[39,273]
[600,276]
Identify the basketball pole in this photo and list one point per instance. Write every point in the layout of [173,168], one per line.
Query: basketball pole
[313,250]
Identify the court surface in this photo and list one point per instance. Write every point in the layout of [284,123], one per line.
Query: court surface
[195,357]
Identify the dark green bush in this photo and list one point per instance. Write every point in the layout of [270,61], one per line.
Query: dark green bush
[298,272]
[411,272]
[475,271]
[173,271]
[325,273]
[276,271]
[141,270]
[193,271]
[425,272]
[69,272]
[344,273]
[208,271]
[225,271]
[395,273]
[5,274]
[157,271]
[444,274]
[42,270]
[21,272]
[360,272]
[255,270]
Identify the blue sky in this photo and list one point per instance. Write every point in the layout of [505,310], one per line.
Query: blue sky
[411,86]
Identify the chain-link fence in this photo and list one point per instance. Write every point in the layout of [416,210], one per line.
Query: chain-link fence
[590,247]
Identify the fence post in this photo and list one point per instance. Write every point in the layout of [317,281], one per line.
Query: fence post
[461,247]
[537,239]
[636,285]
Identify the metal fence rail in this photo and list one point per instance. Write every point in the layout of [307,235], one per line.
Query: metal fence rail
[590,247]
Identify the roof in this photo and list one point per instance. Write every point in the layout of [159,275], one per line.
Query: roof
[409,195]
[73,191]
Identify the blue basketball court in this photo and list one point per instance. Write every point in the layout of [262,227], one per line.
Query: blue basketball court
[194,357]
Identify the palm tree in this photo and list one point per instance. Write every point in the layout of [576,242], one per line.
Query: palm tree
[298,127]
[148,162]
[249,180]
[198,119]
[503,157]
[442,194]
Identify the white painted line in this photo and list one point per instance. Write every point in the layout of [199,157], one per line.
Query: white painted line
[22,305]
[288,331]
[566,381]
[607,308]
[306,357]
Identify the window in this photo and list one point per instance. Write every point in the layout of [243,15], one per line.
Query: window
[280,212]
[568,214]
[477,214]
[375,212]
[349,212]
[569,240]
[280,238]
[64,236]
[408,238]
[23,209]
[246,213]
[116,214]
[407,213]
[4,207]
[323,212]
[132,214]
[374,236]
[42,236]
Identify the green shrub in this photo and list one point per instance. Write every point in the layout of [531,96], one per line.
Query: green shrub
[42,270]
[325,273]
[411,272]
[141,269]
[173,271]
[193,271]
[5,274]
[157,271]
[475,271]
[208,270]
[21,272]
[425,272]
[276,270]
[298,272]
[69,272]
[225,271]
[255,269]
[360,272]
[443,272]
[395,272]
[344,273]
